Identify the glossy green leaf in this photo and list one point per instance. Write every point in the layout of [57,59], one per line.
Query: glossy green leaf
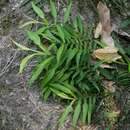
[76,113]
[38,69]
[67,13]
[38,11]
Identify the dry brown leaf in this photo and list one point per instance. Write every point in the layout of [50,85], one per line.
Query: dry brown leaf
[107,54]
[109,86]
[98,30]
[107,66]
[89,127]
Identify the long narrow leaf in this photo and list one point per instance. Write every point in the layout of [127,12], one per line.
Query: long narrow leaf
[59,53]
[85,111]
[67,13]
[53,10]
[25,61]
[49,75]
[22,47]
[65,114]
[38,11]
[61,33]
[76,113]
[61,94]
[39,68]
[89,110]
[62,88]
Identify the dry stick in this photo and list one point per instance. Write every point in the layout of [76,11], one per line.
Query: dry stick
[6,67]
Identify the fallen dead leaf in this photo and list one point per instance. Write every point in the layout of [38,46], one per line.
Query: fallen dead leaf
[107,54]
[98,30]
[89,127]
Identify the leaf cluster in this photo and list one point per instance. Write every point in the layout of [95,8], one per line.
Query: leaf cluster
[65,68]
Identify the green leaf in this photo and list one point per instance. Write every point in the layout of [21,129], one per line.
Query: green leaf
[48,76]
[62,88]
[59,53]
[71,87]
[80,23]
[75,24]
[65,77]
[77,113]
[61,94]
[95,85]
[70,54]
[25,61]
[67,13]
[38,69]
[89,110]
[85,111]
[42,29]
[34,37]
[47,93]
[65,114]
[129,67]
[53,10]
[38,11]
[61,33]
[121,49]
[97,64]
[78,56]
